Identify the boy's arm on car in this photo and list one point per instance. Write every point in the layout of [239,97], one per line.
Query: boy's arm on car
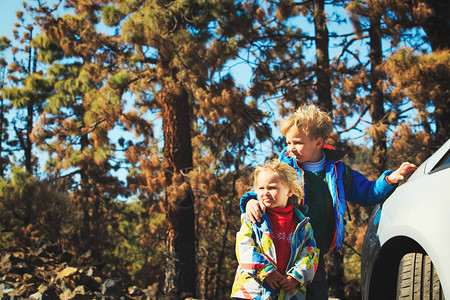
[404,170]
[366,192]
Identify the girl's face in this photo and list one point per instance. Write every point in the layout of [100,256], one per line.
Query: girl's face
[271,190]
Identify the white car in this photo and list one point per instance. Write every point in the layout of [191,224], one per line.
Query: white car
[406,250]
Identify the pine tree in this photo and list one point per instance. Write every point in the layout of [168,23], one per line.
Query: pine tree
[367,17]
[323,88]
[4,108]
[423,79]
[78,115]
[376,98]
[180,49]
[430,15]
[29,89]
[397,20]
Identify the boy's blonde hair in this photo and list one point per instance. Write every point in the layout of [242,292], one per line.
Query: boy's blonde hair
[311,120]
[287,175]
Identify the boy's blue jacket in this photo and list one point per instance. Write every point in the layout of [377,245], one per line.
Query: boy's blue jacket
[363,191]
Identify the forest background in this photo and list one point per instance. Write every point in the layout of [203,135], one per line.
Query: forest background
[139,121]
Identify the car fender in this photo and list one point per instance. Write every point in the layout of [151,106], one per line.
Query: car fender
[422,218]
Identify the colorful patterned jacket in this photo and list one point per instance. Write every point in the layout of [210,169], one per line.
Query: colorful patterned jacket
[255,251]
[363,191]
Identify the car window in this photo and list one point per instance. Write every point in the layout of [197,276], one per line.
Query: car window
[444,163]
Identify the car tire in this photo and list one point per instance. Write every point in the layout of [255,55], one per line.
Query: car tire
[418,279]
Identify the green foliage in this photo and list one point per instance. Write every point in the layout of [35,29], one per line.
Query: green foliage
[19,185]
[33,90]
[120,80]
[49,49]
[139,246]
[112,16]
[55,102]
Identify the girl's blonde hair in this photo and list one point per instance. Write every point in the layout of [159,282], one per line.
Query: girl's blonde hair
[287,175]
[311,120]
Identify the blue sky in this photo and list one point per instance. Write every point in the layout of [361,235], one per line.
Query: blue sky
[8,10]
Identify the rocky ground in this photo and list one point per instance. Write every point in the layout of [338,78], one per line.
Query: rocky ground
[49,273]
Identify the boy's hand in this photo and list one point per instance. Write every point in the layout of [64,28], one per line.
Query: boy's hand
[273,279]
[254,210]
[398,175]
[288,284]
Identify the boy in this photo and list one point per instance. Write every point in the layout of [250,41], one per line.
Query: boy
[325,181]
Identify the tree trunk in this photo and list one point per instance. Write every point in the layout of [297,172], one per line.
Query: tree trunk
[2,135]
[442,116]
[28,143]
[180,269]
[437,29]
[82,198]
[220,261]
[376,97]
[323,62]
[32,63]
[437,26]
[334,267]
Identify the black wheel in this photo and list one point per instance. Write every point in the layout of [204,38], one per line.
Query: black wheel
[417,279]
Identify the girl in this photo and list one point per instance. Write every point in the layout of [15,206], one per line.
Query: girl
[277,256]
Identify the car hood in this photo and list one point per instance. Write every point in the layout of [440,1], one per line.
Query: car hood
[429,164]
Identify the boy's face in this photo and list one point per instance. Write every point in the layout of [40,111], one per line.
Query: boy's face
[271,190]
[302,147]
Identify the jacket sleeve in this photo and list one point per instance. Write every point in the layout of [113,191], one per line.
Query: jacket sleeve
[245,199]
[249,255]
[366,192]
[307,260]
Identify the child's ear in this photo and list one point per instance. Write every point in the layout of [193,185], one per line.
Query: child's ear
[319,142]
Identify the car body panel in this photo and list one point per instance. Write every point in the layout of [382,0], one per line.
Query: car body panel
[418,210]
[424,218]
